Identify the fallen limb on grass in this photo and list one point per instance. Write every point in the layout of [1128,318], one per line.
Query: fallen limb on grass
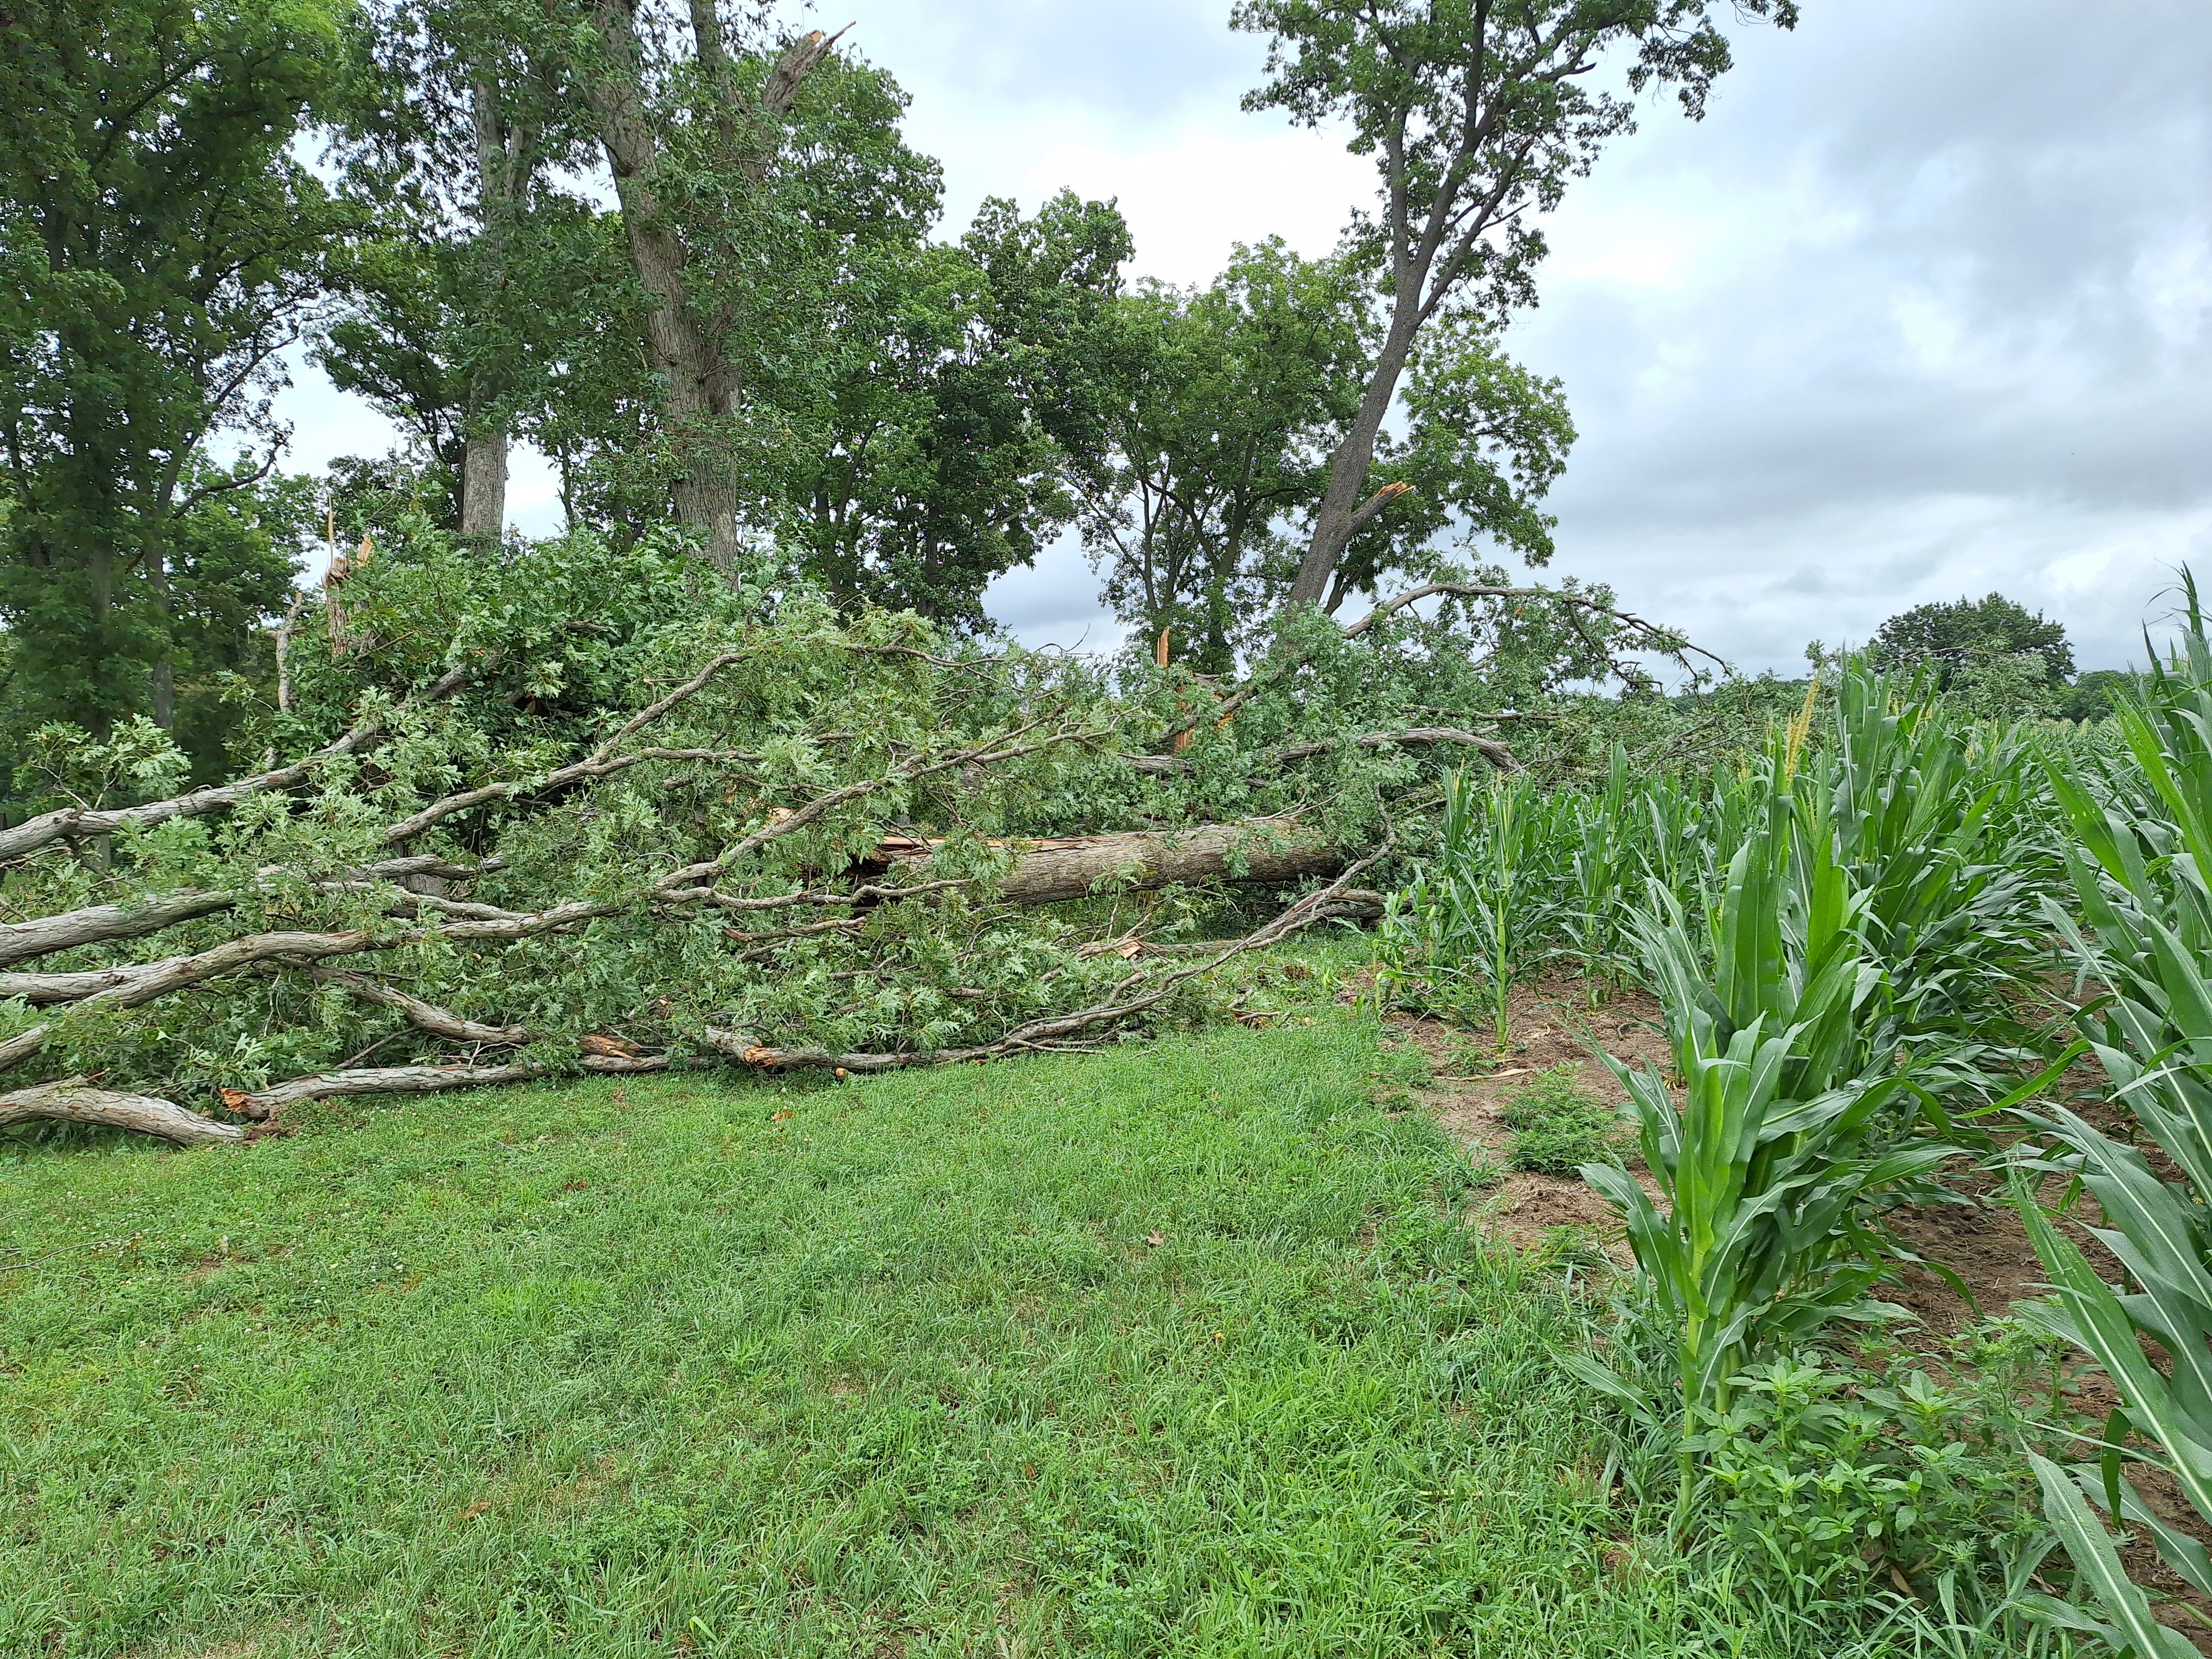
[1045,1034]
[69,1101]
[263,1103]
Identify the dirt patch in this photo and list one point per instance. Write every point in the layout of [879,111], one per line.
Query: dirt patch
[1979,1240]
[1551,1024]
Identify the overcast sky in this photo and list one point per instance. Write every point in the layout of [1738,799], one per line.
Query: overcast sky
[1923,309]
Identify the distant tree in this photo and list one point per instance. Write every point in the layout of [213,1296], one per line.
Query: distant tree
[1227,398]
[1951,636]
[2094,695]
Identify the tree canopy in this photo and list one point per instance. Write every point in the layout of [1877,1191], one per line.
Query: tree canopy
[163,243]
[1952,635]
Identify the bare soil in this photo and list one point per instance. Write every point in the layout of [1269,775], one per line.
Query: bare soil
[1553,1024]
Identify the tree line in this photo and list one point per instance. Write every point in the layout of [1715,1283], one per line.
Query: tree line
[690,254]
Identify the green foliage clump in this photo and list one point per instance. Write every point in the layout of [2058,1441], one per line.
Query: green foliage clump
[577,790]
[1828,1483]
[1950,636]
[1558,1125]
[162,237]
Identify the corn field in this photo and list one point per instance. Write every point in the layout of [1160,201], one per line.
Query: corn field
[1879,945]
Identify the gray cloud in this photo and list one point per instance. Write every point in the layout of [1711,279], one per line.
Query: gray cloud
[1935,321]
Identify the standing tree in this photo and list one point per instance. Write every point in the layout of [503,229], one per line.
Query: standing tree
[1991,656]
[943,414]
[1233,400]
[1227,395]
[460,118]
[1949,635]
[692,142]
[1478,113]
[162,243]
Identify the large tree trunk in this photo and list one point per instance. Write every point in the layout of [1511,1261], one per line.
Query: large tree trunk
[700,388]
[1342,514]
[700,384]
[484,482]
[1069,867]
[506,158]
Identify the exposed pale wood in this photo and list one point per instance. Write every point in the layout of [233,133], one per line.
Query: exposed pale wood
[69,1101]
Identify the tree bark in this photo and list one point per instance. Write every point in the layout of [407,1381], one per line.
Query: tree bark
[502,170]
[1338,518]
[70,1101]
[1054,871]
[379,1080]
[484,482]
[699,387]
[97,923]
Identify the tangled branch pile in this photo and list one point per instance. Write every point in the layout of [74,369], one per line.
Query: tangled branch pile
[565,809]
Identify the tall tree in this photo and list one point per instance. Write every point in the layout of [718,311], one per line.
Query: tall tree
[1950,635]
[1236,399]
[460,117]
[1229,396]
[1478,113]
[162,243]
[956,395]
[669,208]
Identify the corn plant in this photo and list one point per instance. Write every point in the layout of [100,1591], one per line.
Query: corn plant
[2139,869]
[1488,911]
[1602,855]
[1795,1116]
[1935,822]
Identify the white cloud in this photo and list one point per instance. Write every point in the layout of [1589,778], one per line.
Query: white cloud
[1191,197]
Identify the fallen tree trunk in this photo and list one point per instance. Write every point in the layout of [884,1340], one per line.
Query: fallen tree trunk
[1070,867]
[1054,1032]
[70,1101]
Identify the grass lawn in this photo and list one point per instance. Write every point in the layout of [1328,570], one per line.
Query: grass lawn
[1186,1350]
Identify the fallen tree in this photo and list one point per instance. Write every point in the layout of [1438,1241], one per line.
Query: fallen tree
[569,812]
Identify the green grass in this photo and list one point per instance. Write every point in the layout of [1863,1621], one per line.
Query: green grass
[1185,1350]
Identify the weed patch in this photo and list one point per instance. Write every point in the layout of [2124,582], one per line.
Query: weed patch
[1558,1125]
